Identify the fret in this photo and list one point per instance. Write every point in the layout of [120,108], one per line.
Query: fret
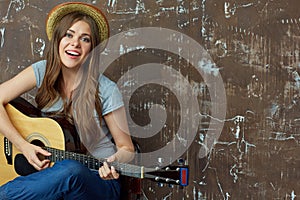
[76,156]
[93,163]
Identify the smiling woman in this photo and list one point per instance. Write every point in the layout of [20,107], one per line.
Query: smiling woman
[71,87]
[78,38]
[76,44]
[73,50]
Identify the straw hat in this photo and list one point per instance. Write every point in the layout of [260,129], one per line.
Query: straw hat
[59,11]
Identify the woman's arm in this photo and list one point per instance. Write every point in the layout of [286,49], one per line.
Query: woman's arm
[10,90]
[117,124]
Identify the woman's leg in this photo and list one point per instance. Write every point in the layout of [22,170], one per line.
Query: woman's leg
[68,179]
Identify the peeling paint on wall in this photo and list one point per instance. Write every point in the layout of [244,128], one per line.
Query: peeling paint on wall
[2,31]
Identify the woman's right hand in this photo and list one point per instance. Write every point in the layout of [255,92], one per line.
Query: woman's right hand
[9,90]
[33,154]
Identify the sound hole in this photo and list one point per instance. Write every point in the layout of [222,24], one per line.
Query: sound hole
[38,143]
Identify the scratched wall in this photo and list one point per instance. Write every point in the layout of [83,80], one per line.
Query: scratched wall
[255,46]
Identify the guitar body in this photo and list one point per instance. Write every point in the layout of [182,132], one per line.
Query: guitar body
[36,130]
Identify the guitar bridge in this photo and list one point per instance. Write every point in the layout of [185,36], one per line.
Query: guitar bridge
[8,151]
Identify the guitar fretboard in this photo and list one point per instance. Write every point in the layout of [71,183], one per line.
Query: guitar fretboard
[93,163]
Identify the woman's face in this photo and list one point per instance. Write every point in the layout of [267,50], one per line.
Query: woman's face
[75,45]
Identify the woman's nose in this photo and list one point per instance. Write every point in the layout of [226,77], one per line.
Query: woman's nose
[75,42]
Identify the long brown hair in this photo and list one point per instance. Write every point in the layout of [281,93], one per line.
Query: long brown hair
[87,94]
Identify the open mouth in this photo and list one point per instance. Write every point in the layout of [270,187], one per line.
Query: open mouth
[72,53]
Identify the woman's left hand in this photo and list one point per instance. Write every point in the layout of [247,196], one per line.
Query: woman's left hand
[107,172]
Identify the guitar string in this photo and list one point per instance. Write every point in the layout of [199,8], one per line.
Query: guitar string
[91,162]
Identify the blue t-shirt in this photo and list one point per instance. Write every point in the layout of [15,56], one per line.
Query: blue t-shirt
[111,100]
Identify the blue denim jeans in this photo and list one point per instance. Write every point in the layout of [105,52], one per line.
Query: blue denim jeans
[68,180]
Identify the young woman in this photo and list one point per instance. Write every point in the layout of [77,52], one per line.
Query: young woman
[70,85]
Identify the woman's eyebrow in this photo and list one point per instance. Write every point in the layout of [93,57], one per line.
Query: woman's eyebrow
[83,34]
[71,30]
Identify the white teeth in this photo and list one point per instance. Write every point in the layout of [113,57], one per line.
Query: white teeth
[73,53]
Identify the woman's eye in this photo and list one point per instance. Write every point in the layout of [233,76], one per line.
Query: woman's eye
[86,39]
[68,35]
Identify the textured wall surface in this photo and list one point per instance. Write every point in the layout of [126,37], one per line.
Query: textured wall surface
[252,44]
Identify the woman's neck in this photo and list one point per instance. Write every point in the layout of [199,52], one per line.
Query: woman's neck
[70,81]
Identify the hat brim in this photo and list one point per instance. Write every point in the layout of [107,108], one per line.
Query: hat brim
[61,10]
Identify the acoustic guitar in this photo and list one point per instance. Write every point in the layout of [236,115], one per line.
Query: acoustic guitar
[60,138]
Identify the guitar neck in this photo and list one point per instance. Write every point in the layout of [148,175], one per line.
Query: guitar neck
[93,163]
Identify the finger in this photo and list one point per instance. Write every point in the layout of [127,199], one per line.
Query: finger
[45,164]
[37,163]
[44,152]
[106,169]
[102,173]
[114,173]
[36,166]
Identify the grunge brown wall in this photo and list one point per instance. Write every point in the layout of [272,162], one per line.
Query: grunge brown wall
[255,47]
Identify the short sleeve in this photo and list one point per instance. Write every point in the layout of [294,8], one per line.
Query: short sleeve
[39,69]
[110,95]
